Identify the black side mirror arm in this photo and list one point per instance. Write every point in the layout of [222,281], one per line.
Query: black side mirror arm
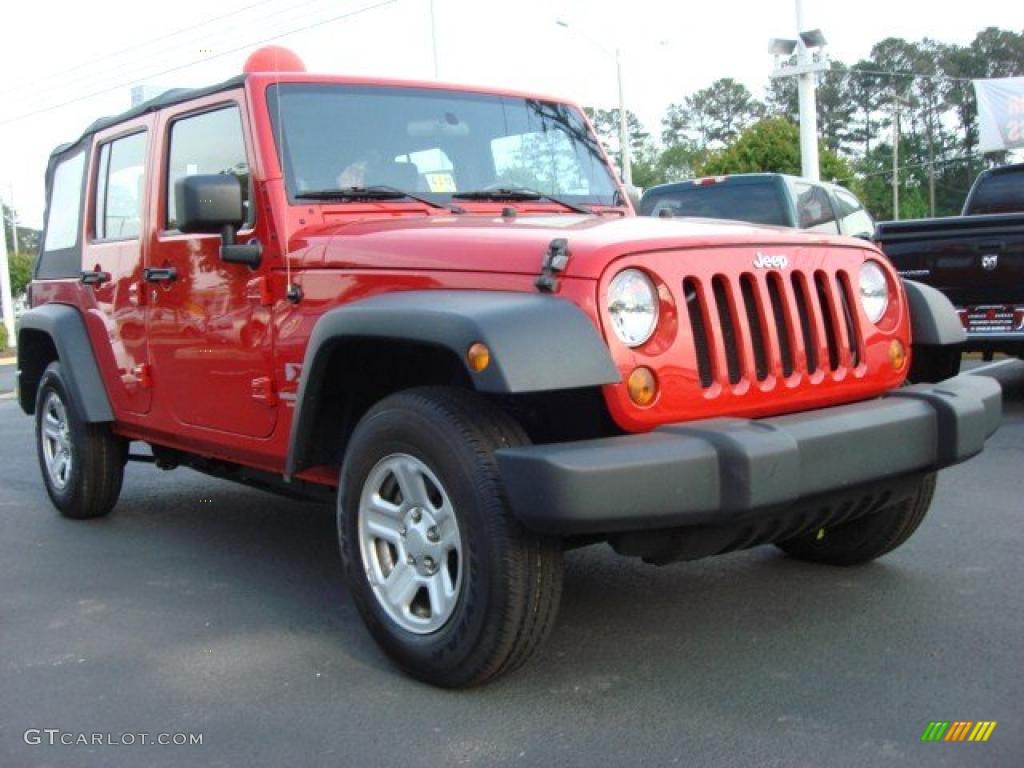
[250,254]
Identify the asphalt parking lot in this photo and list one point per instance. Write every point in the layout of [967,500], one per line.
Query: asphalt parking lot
[202,607]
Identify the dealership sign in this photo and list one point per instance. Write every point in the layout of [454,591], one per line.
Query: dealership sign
[1000,113]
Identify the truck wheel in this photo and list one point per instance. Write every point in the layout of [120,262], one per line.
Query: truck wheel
[862,540]
[82,463]
[931,364]
[451,586]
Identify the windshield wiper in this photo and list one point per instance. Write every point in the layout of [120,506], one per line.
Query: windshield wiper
[519,193]
[374,192]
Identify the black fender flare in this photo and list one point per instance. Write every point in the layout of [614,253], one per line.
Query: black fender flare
[537,343]
[65,327]
[933,318]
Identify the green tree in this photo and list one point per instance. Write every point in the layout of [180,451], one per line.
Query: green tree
[22,262]
[712,115]
[770,145]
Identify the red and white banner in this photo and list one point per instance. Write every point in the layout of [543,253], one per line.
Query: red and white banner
[1000,113]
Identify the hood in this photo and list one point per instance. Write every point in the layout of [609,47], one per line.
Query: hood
[516,245]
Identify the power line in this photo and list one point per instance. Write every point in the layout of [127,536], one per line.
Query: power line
[151,55]
[923,164]
[169,70]
[114,54]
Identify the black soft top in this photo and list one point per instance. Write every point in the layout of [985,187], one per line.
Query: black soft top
[165,99]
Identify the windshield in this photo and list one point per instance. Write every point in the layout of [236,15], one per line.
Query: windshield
[434,143]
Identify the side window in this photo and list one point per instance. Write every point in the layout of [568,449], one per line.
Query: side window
[854,219]
[813,209]
[63,219]
[211,142]
[120,186]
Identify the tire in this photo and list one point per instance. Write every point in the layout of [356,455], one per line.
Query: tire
[931,364]
[866,538]
[86,483]
[495,601]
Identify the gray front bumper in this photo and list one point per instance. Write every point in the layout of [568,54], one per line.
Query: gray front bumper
[723,471]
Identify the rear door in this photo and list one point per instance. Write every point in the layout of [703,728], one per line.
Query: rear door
[112,258]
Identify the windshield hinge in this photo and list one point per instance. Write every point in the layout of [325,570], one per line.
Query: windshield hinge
[555,261]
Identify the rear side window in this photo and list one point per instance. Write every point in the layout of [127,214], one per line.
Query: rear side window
[998,193]
[813,209]
[63,220]
[120,186]
[754,203]
[854,219]
[211,142]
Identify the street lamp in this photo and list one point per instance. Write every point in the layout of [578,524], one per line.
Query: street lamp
[806,69]
[627,170]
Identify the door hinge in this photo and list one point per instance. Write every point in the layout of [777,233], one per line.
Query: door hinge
[263,391]
[259,290]
[142,373]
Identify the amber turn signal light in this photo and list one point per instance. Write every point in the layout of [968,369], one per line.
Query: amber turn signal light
[643,387]
[478,356]
[897,354]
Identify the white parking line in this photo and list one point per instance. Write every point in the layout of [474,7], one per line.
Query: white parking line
[991,366]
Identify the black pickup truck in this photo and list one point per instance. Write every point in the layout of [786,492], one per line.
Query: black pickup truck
[976,260]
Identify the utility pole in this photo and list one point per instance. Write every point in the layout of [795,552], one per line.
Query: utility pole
[896,159]
[14,217]
[627,164]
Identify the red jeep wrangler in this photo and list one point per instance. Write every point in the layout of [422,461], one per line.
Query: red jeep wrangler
[435,305]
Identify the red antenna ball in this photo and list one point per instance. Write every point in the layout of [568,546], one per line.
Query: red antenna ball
[273,58]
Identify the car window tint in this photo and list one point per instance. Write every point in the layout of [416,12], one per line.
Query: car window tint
[120,185]
[755,203]
[813,209]
[999,193]
[211,142]
[63,214]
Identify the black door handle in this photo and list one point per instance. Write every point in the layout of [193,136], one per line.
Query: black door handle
[159,274]
[94,277]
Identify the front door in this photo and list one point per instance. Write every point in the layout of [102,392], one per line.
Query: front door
[210,331]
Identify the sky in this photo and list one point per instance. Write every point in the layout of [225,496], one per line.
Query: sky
[87,56]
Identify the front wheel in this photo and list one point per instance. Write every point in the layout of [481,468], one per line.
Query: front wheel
[866,538]
[451,586]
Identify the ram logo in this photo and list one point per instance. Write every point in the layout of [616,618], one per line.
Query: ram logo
[770,261]
[990,261]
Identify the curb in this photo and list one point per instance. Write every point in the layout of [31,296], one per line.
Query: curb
[8,361]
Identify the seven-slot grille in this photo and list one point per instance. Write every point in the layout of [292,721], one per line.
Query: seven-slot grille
[772,323]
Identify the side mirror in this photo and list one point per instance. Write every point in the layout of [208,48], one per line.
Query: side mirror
[211,203]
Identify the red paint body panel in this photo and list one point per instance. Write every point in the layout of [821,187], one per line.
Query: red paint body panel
[220,345]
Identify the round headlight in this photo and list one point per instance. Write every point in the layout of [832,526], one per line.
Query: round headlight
[633,306]
[874,290]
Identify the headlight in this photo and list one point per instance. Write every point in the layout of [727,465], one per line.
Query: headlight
[633,306]
[874,290]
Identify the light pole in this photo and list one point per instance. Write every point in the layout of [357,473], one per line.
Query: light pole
[805,71]
[433,39]
[624,148]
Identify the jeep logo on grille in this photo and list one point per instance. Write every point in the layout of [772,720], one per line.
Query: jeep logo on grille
[768,261]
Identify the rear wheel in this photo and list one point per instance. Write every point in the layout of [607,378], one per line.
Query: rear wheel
[866,538]
[82,463]
[451,586]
